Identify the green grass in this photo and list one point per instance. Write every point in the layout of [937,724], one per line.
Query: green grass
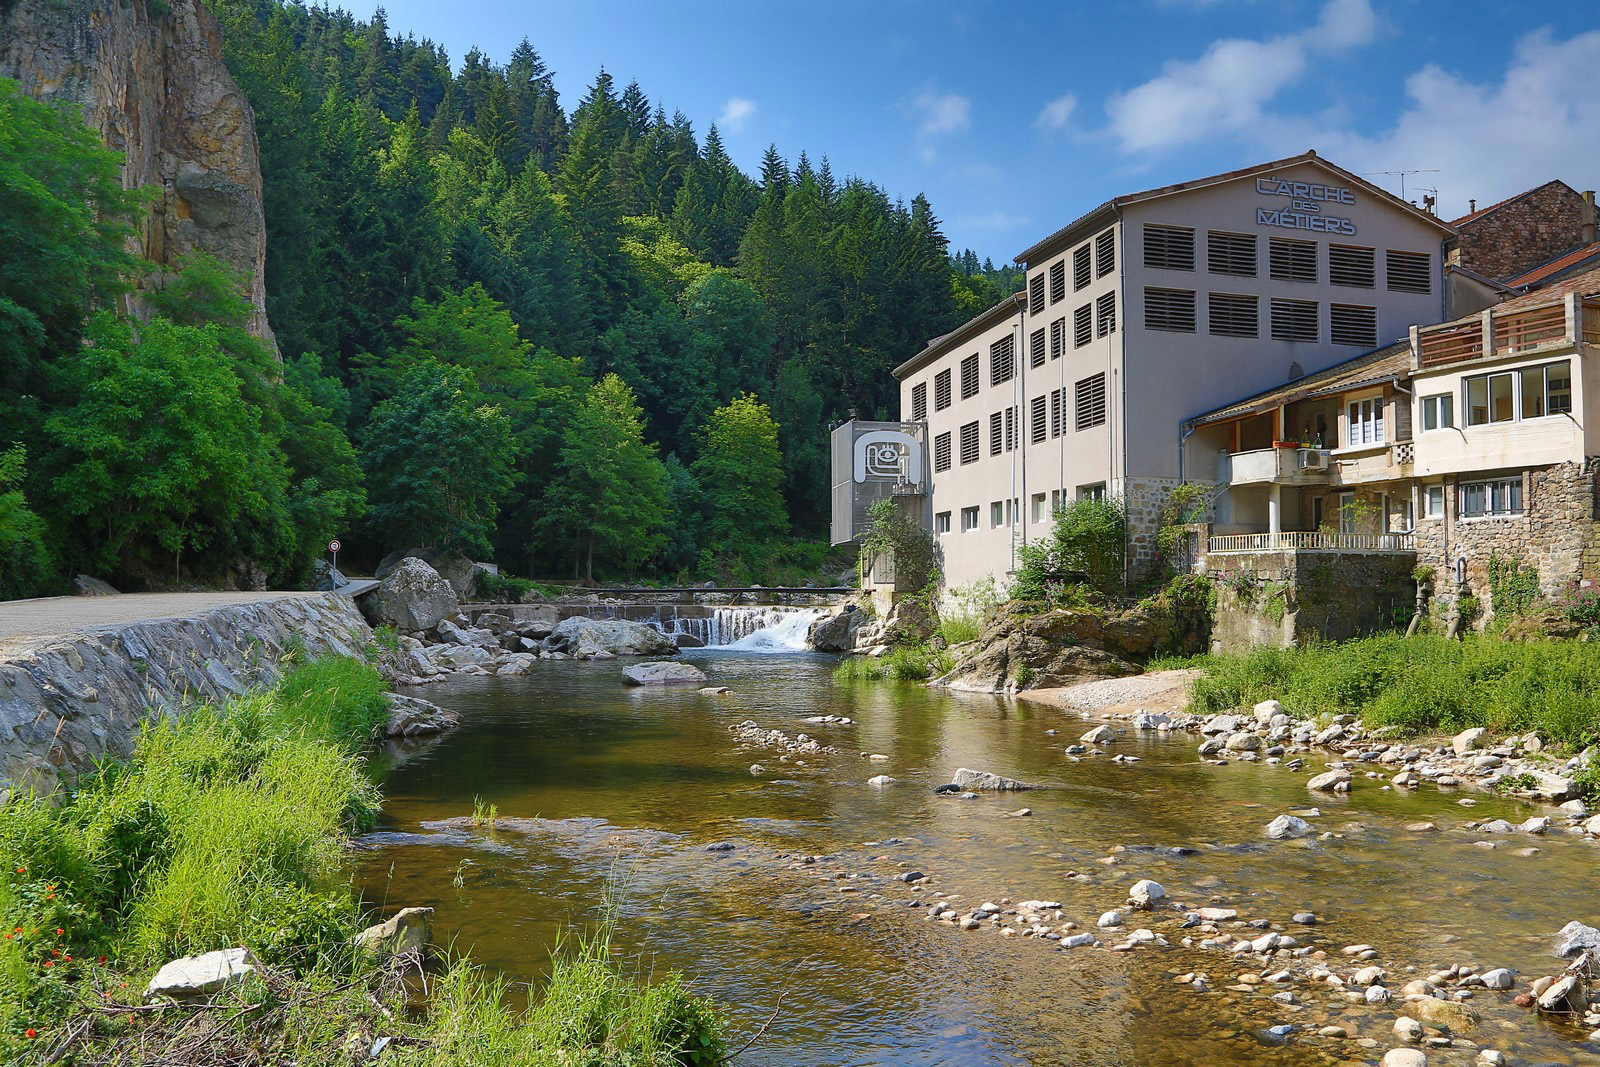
[957,628]
[908,663]
[1425,683]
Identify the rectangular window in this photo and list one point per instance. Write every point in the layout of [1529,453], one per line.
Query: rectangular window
[1547,390]
[941,390]
[1234,316]
[1355,267]
[1433,501]
[1036,294]
[969,443]
[1097,491]
[1365,423]
[1105,253]
[1347,513]
[919,401]
[1058,281]
[1002,360]
[1105,315]
[941,523]
[1058,411]
[1292,261]
[1231,253]
[996,433]
[1089,402]
[997,514]
[1438,412]
[1351,324]
[1169,309]
[1058,500]
[1081,275]
[1491,398]
[941,451]
[969,519]
[1168,247]
[1083,326]
[1409,272]
[1040,510]
[1036,348]
[1011,428]
[1497,497]
[969,377]
[1294,320]
[1036,426]
[1058,338]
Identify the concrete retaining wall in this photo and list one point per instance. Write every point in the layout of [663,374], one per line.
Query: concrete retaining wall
[1291,597]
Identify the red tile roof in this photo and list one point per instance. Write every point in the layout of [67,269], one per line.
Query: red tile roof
[1555,266]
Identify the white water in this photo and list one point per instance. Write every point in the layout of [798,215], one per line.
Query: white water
[786,632]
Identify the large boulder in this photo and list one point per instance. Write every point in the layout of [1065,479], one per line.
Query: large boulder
[585,637]
[411,597]
[414,717]
[83,585]
[987,781]
[658,673]
[452,566]
[1019,647]
[198,976]
[325,577]
[836,633]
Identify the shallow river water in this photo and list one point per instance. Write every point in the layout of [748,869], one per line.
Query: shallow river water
[629,786]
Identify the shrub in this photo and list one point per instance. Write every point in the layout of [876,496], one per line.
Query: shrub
[1581,604]
[908,663]
[1513,588]
[502,588]
[1088,542]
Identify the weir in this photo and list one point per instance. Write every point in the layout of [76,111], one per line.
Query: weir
[748,628]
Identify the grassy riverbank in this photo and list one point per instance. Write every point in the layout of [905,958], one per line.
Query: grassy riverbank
[1421,684]
[228,828]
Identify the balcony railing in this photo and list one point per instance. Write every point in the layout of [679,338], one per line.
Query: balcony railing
[1312,541]
[1493,334]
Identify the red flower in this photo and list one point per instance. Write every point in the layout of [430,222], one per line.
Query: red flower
[33,1033]
[59,931]
[49,963]
[102,959]
[22,870]
[68,959]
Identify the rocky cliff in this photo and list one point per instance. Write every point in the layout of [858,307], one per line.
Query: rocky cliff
[155,87]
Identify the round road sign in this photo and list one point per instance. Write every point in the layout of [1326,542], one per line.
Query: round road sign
[333,546]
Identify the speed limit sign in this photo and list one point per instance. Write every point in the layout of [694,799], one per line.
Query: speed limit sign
[333,546]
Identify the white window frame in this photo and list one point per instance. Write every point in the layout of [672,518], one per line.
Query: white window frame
[1433,501]
[971,520]
[1488,397]
[1365,426]
[1438,411]
[997,514]
[1498,497]
[1092,491]
[1039,512]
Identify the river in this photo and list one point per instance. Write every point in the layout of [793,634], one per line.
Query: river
[631,785]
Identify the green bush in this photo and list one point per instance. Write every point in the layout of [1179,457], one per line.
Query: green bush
[337,699]
[27,567]
[502,588]
[1088,541]
[907,663]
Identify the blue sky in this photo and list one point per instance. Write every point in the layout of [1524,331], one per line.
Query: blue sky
[1015,118]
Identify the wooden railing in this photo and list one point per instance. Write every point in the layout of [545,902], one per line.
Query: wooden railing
[1312,540]
[1509,333]
[1591,322]
[1528,329]
[1452,345]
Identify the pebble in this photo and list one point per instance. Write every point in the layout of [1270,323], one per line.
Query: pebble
[1305,918]
[1109,920]
[1404,1057]
[1407,1029]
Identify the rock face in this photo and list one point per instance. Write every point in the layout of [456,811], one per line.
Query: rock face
[68,701]
[197,976]
[582,636]
[835,633]
[156,89]
[656,673]
[411,598]
[413,717]
[408,932]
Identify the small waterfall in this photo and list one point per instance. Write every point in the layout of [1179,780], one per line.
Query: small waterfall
[755,629]
[785,634]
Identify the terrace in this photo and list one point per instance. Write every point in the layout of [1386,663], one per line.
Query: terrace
[1517,330]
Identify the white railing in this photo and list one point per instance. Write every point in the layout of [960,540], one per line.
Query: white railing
[1312,540]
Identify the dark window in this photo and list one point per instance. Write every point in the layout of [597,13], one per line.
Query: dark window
[1294,320]
[969,377]
[1036,293]
[1036,348]
[941,390]
[1036,426]
[1409,272]
[1058,413]
[1105,319]
[1168,247]
[1089,398]
[1231,253]
[1083,326]
[1169,309]
[969,443]
[1293,261]
[1350,324]
[1002,360]
[919,401]
[1058,281]
[1355,267]
[941,451]
[1502,496]
[996,433]
[1105,253]
[1235,316]
[1081,273]
[1011,428]
[1058,338]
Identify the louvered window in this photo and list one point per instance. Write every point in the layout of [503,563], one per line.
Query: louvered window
[1002,360]
[941,390]
[1011,428]
[1231,253]
[919,401]
[1168,247]
[1036,294]
[1409,272]
[969,377]
[1292,261]
[1169,309]
[1294,320]
[1036,348]
[1355,267]
[941,451]
[1083,326]
[1058,281]
[1058,414]
[1105,317]
[969,443]
[1105,253]
[1081,275]
[1350,324]
[996,433]
[1058,338]
[1089,400]
[1036,426]
[1234,316]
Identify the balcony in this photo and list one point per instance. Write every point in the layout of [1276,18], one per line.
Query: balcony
[1278,466]
[1310,541]
[1497,334]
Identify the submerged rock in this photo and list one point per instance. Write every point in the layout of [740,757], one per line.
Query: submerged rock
[985,780]
[1287,827]
[413,717]
[660,673]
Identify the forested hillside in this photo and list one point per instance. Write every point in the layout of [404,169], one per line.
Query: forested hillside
[584,341]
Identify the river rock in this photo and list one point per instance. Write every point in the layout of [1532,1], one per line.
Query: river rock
[656,672]
[984,780]
[1151,720]
[1334,781]
[1451,1013]
[412,597]
[1100,735]
[408,932]
[1286,827]
[414,717]
[196,976]
[1498,978]
[1404,1057]
[1408,1029]
[1564,995]
[1243,741]
[1267,710]
[1467,740]
[1109,920]
[836,633]
[585,637]
[1554,787]
[1146,894]
[1575,937]
[882,780]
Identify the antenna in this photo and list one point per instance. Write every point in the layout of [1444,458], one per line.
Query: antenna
[1403,173]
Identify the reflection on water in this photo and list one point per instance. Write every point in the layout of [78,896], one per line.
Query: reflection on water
[633,783]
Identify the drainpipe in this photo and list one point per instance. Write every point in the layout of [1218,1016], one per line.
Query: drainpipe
[1017,458]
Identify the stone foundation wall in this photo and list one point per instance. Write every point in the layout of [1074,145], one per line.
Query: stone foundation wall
[70,701]
[1282,599]
[1142,501]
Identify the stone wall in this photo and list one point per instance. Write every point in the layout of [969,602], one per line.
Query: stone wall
[68,701]
[1283,599]
[1142,501]
[1519,236]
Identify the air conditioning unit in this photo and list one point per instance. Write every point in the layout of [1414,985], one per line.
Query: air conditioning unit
[1313,459]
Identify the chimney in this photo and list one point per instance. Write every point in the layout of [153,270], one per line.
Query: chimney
[1472,206]
[1588,217]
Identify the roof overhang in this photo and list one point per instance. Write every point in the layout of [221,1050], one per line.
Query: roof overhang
[965,332]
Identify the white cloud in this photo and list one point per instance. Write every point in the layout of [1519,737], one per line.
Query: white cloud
[1225,90]
[735,113]
[937,114]
[1055,114]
